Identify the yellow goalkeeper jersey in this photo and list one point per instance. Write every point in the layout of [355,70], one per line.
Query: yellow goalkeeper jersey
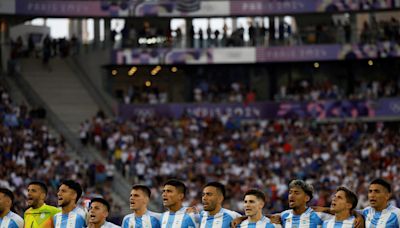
[41,217]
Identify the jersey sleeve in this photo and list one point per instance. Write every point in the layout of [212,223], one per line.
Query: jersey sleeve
[19,222]
[189,221]
[283,215]
[125,222]
[54,220]
[324,216]
[271,225]
[397,218]
[80,222]
[16,224]
[155,223]
[235,214]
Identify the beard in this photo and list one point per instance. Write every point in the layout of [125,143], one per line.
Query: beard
[64,203]
[34,204]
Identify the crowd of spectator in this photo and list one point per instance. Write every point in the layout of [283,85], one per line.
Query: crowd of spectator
[144,94]
[383,30]
[304,90]
[257,33]
[238,92]
[234,92]
[29,151]
[243,155]
[37,47]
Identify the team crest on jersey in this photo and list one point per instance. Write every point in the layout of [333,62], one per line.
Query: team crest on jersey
[42,215]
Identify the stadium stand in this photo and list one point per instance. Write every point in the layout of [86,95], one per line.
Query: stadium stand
[30,150]
[209,67]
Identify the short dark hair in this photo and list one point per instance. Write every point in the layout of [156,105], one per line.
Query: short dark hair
[307,188]
[142,188]
[351,197]
[8,193]
[178,185]
[40,184]
[257,193]
[220,187]
[383,183]
[75,186]
[102,201]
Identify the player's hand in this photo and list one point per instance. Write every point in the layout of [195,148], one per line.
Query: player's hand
[237,221]
[359,221]
[192,209]
[276,219]
[321,209]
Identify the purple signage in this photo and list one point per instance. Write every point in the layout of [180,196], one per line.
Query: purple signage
[252,111]
[299,53]
[179,8]
[259,7]
[319,110]
[254,55]
[60,8]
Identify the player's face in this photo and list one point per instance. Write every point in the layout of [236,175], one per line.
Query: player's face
[211,198]
[138,200]
[65,196]
[252,205]
[5,202]
[97,213]
[36,196]
[339,202]
[378,196]
[171,196]
[297,198]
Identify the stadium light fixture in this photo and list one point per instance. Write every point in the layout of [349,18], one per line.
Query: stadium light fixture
[155,70]
[132,71]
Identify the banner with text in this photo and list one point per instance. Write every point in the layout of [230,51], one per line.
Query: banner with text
[187,8]
[320,110]
[254,55]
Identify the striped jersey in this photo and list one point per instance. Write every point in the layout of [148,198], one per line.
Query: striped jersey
[388,218]
[41,217]
[332,223]
[11,220]
[179,219]
[264,222]
[73,219]
[109,225]
[220,220]
[309,219]
[148,220]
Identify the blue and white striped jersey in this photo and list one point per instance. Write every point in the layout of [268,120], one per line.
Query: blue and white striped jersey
[309,219]
[179,219]
[332,223]
[220,220]
[148,220]
[109,225]
[388,218]
[74,219]
[11,220]
[264,222]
